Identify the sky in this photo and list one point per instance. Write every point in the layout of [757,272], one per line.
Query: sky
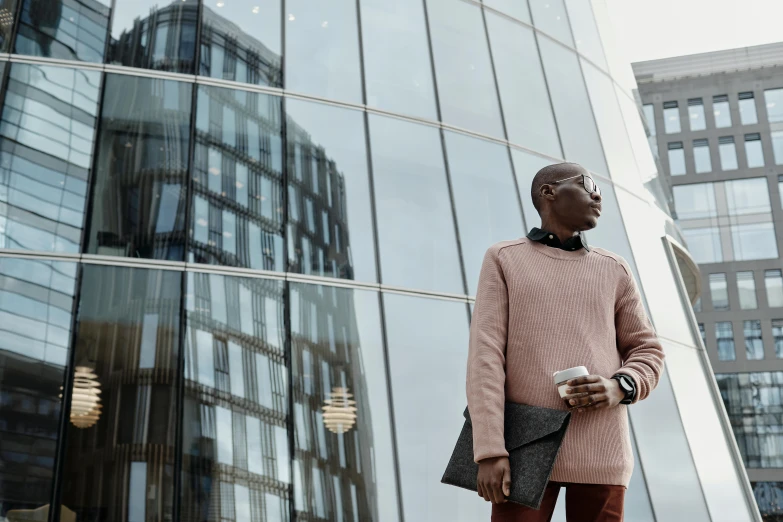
[650,29]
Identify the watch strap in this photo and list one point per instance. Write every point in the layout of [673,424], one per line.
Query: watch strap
[628,386]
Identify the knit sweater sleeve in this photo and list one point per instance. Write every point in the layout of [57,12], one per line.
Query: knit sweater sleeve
[486,373]
[637,342]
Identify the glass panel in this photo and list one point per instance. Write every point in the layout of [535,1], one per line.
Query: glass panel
[397,68]
[588,41]
[513,8]
[704,244]
[676,159]
[754,403]
[484,196]
[701,156]
[649,115]
[427,354]
[36,303]
[753,152]
[578,131]
[610,232]
[155,34]
[702,331]
[462,66]
[237,217]
[326,145]
[415,222]
[754,241]
[720,292]
[773,282]
[123,443]
[550,16]
[525,167]
[322,49]
[747,108]
[142,152]
[46,140]
[769,497]
[671,119]
[777,146]
[663,446]
[523,91]
[240,41]
[724,335]
[338,364]
[696,114]
[611,126]
[68,30]
[774,101]
[754,345]
[746,287]
[7,13]
[695,201]
[720,108]
[236,400]
[747,196]
[728,155]
[777,337]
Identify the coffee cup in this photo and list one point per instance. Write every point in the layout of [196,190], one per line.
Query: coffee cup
[562,377]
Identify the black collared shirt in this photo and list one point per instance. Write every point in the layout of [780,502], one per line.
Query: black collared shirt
[571,244]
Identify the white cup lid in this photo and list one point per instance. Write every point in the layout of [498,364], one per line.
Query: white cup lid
[571,373]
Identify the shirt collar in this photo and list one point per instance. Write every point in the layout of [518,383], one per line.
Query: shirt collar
[571,244]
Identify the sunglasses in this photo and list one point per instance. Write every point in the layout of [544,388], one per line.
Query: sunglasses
[587,181]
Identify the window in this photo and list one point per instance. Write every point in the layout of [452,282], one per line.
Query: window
[777,336]
[695,201]
[719,291]
[701,156]
[746,286]
[704,244]
[747,108]
[774,100]
[720,108]
[754,241]
[773,281]
[513,8]
[588,41]
[754,345]
[697,305]
[696,114]
[724,335]
[747,196]
[753,151]
[671,117]
[649,115]
[777,146]
[550,16]
[728,153]
[703,334]
[676,159]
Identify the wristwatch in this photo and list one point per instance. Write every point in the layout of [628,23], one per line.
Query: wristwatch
[627,385]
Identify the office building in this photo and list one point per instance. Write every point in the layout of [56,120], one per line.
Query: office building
[239,242]
[716,123]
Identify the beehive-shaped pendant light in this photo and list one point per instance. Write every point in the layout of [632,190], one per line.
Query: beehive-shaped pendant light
[86,398]
[339,411]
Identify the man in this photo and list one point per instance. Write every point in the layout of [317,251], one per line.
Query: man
[548,302]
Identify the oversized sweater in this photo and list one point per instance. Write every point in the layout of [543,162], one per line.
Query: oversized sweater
[540,310]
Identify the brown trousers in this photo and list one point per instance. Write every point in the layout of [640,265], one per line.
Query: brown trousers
[584,503]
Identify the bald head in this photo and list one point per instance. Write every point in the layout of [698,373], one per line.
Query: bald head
[550,174]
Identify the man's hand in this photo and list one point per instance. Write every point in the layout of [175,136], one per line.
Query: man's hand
[494,479]
[593,392]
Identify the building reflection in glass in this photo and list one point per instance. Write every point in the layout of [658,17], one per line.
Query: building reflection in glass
[121,468]
[36,302]
[46,140]
[769,496]
[237,204]
[236,458]
[336,345]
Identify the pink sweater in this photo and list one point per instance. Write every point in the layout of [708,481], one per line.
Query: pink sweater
[539,310]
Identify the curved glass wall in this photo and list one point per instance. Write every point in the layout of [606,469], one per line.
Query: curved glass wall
[256,228]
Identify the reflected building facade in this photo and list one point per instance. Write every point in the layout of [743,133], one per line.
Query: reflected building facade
[268,259]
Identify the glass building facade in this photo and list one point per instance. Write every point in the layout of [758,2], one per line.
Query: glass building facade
[239,242]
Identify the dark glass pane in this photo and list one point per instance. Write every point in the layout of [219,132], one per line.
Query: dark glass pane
[65,29]
[397,65]
[322,49]
[236,460]
[344,467]
[138,207]
[418,247]
[119,460]
[485,197]
[240,41]
[526,166]
[466,84]
[154,34]
[36,302]
[7,14]
[330,213]
[427,353]
[237,206]
[46,142]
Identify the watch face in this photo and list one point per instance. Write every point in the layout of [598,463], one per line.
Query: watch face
[625,384]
